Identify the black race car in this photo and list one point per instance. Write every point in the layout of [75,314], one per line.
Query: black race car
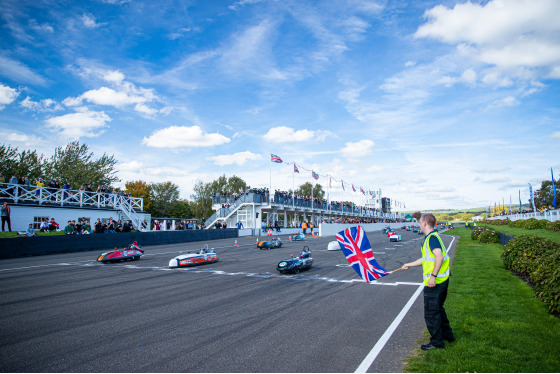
[295,264]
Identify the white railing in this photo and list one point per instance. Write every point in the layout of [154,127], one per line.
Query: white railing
[129,206]
[551,215]
[45,195]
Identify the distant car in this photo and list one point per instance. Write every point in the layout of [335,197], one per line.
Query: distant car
[296,264]
[272,243]
[202,256]
[132,252]
[403,227]
[334,246]
[395,238]
[386,229]
[298,237]
[408,228]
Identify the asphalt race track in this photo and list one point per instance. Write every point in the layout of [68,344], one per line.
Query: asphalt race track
[69,313]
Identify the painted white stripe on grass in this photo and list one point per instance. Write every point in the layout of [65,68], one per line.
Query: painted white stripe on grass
[372,355]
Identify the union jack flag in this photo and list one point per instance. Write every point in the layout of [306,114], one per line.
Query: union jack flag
[275,158]
[355,246]
[362,190]
[314,175]
[296,170]
[353,189]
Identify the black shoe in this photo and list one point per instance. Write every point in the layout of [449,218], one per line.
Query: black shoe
[450,340]
[426,347]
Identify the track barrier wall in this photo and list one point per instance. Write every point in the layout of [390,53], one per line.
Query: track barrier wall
[46,245]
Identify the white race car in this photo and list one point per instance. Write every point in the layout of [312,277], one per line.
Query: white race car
[203,256]
[334,246]
[395,238]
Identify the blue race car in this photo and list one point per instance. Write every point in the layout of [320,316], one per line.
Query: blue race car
[295,264]
[298,237]
[272,243]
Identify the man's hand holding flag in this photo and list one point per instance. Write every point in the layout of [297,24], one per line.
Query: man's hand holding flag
[355,246]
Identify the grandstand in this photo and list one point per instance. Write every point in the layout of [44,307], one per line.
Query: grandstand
[251,207]
[37,203]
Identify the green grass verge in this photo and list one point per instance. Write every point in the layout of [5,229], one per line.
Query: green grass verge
[552,235]
[14,234]
[499,324]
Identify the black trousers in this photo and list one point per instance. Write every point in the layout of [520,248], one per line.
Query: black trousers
[434,314]
[4,220]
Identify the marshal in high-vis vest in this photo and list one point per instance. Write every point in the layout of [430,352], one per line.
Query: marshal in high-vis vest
[435,274]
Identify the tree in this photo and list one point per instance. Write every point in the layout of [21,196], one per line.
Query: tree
[76,165]
[305,190]
[444,217]
[180,209]
[19,164]
[201,205]
[464,216]
[545,194]
[162,196]
[139,189]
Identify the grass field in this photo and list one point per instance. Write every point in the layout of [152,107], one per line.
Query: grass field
[499,324]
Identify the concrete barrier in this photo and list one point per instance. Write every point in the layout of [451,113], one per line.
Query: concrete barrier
[46,245]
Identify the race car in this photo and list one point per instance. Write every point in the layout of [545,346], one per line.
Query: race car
[202,256]
[334,246]
[386,229]
[272,243]
[132,252]
[392,232]
[295,264]
[395,238]
[408,228]
[298,237]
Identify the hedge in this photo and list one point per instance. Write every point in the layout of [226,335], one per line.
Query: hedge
[538,258]
[485,234]
[530,224]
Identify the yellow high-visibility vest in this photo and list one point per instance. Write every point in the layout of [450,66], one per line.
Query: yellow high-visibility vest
[429,261]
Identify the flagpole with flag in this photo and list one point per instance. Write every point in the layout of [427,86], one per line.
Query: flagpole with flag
[532,197]
[520,202]
[553,189]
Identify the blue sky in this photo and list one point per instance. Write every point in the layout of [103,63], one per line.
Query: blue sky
[440,104]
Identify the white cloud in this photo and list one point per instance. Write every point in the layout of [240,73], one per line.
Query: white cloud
[183,136]
[113,76]
[81,124]
[357,149]
[90,22]
[555,135]
[239,158]
[45,27]
[45,105]
[26,140]
[145,109]
[512,35]
[375,169]
[131,166]
[508,101]
[18,72]
[7,95]
[284,134]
